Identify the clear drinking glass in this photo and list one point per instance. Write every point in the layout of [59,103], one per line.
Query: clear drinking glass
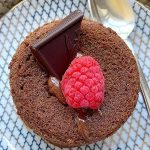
[116,14]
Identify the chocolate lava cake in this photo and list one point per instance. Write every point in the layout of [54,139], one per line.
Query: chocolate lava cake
[45,115]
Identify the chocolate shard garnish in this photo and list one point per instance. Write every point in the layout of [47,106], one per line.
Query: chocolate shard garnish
[57,49]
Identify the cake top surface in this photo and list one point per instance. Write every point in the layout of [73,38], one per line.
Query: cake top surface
[43,113]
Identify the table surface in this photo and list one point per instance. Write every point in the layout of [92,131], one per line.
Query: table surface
[15,25]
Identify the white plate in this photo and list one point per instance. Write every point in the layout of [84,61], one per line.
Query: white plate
[14,26]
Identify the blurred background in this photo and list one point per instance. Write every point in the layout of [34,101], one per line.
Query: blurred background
[6,5]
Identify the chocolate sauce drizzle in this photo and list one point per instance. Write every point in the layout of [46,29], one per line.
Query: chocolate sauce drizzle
[83,115]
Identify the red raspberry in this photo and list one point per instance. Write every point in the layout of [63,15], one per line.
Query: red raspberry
[83,83]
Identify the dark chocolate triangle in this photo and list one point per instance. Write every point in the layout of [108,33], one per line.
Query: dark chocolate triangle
[56,51]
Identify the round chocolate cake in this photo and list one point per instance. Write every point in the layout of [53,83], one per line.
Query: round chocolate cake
[56,123]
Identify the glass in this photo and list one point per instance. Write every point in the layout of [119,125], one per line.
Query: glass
[116,14]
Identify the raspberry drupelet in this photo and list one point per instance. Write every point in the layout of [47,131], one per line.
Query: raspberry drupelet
[83,83]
